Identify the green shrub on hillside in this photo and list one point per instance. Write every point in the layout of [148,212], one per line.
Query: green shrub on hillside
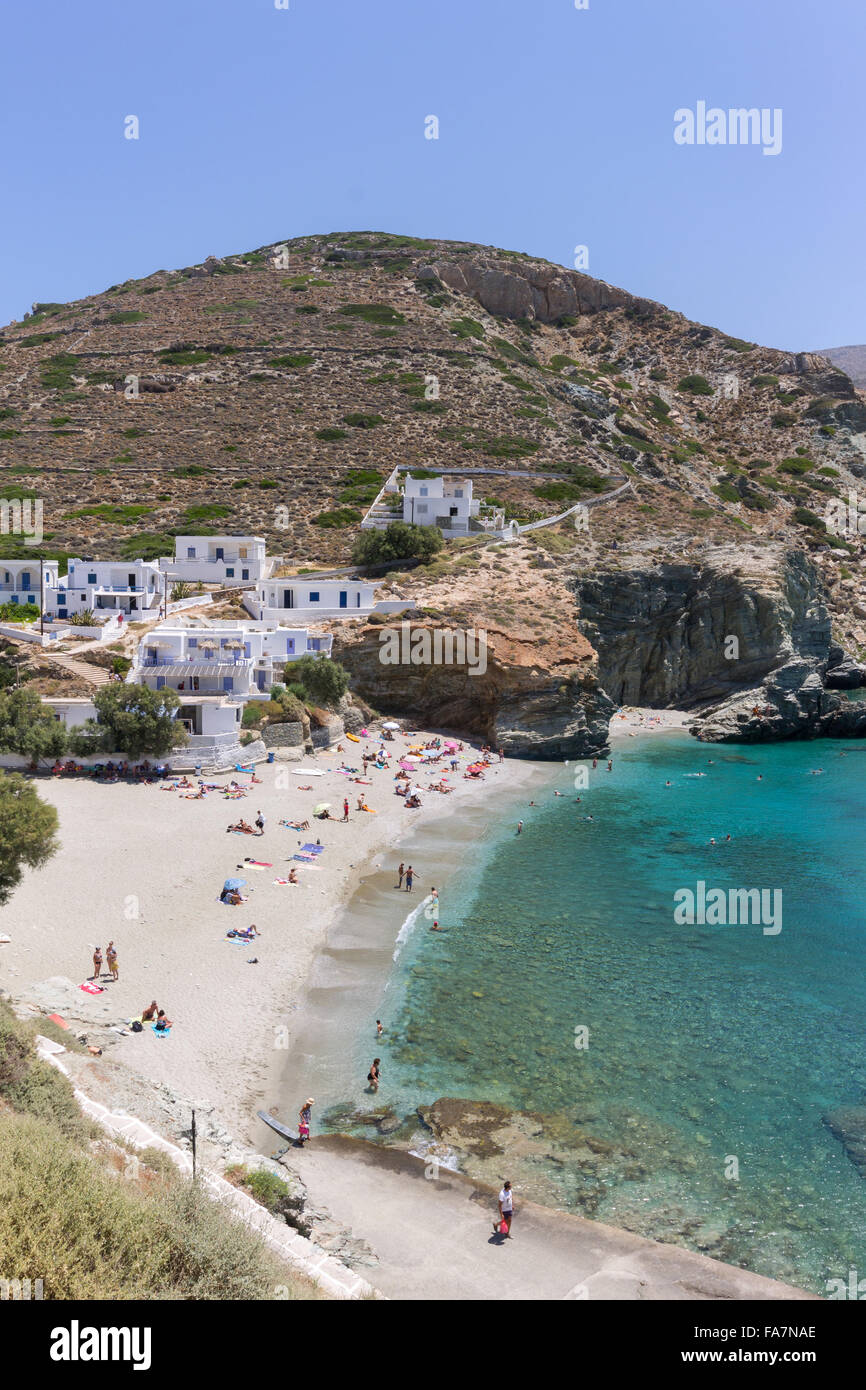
[291,361]
[695,385]
[381,314]
[341,517]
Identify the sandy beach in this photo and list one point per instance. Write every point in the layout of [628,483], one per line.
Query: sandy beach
[630,721]
[144,867]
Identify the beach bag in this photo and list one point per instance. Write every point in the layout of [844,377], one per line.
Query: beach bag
[505,1226]
[136,1027]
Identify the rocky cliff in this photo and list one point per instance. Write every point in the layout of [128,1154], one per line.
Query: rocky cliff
[685,633]
[532,702]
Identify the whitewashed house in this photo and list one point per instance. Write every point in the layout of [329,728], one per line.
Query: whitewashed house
[213,724]
[132,587]
[19,581]
[239,659]
[305,598]
[444,502]
[225,560]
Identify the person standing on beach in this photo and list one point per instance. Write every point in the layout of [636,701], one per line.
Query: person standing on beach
[111,960]
[373,1074]
[400,872]
[304,1117]
[97,963]
[410,874]
[260,823]
[345,808]
[506,1210]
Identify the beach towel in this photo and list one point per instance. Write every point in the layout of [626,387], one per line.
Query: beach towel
[305,858]
[160,1032]
[258,867]
[258,863]
[91,988]
[280,882]
[312,849]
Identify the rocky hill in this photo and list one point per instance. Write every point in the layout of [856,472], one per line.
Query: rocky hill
[272,391]
[851,360]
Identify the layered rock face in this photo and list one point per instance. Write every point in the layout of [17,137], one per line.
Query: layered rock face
[680,634]
[792,702]
[532,289]
[532,702]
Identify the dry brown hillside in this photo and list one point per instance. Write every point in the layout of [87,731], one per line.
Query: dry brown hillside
[293,377]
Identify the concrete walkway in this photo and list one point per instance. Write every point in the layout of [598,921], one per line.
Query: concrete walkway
[434,1238]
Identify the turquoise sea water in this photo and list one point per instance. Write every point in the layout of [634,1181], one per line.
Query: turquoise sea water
[706,1043]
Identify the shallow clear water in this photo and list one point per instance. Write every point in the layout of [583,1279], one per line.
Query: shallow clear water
[705,1042]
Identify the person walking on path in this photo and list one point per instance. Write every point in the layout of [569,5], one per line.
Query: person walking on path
[111,960]
[400,872]
[373,1074]
[304,1117]
[345,808]
[410,874]
[260,823]
[506,1210]
[97,963]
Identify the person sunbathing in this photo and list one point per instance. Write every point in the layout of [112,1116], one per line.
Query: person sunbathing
[242,828]
[293,875]
[150,1012]
[162,1024]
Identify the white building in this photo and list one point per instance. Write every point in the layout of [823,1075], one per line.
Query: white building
[213,724]
[19,581]
[444,501]
[133,587]
[307,598]
[239,659]
[225,560]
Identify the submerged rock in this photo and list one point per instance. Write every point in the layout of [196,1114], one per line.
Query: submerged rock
[848,1124]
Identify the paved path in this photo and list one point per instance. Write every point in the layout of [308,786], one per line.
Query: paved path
[434,1239]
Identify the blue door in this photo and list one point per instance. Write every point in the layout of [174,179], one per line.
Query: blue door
[220,553]
[344,598]
[228,683]
[25,580]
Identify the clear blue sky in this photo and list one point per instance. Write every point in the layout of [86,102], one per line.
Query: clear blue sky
[556,128]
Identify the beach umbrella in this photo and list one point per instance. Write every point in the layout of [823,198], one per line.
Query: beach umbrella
[431,753]
[322,806]
[234,883]
[411,758]
[233,645]
[390,725]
